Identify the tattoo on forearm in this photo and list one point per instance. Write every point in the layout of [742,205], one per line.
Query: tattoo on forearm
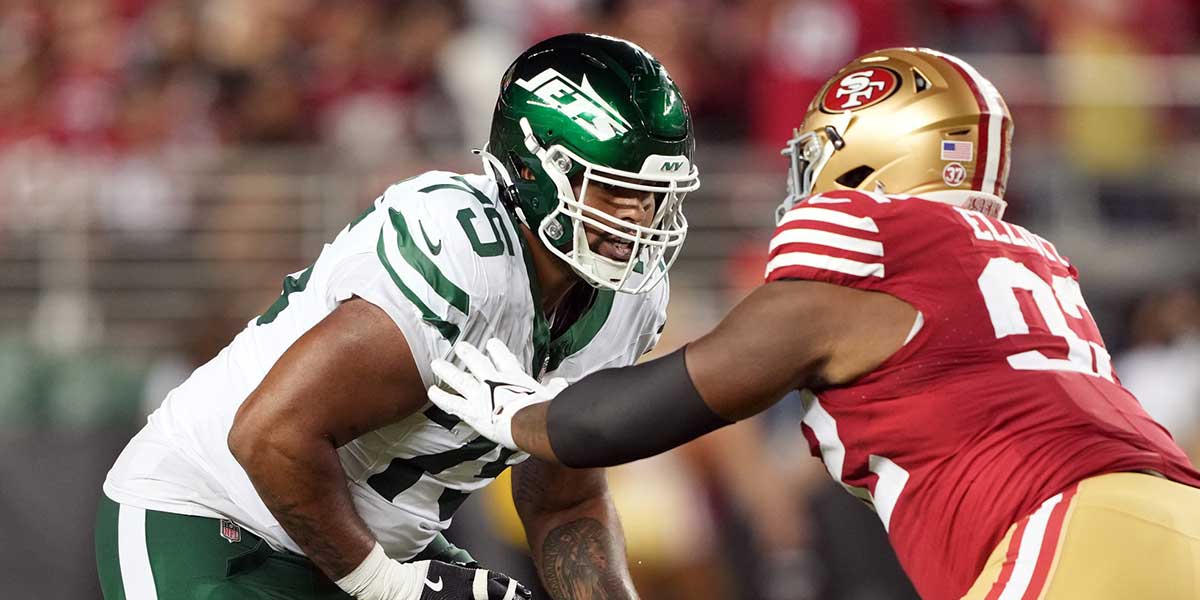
[530,484]
[576,563]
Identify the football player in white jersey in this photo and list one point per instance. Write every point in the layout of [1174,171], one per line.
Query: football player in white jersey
[304,461]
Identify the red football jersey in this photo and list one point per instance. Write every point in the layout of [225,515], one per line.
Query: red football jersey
[1002,397]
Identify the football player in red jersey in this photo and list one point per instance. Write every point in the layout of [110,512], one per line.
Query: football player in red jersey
[954,378]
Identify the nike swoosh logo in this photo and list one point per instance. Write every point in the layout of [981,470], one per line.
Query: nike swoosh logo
[434,585]
[495,385]
[435,250]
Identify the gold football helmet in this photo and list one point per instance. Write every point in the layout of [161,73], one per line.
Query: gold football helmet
[908,121]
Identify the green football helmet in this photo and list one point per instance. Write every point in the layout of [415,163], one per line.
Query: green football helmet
[594,109]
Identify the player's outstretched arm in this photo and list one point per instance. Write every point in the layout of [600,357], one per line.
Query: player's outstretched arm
[785,335]
[573,531]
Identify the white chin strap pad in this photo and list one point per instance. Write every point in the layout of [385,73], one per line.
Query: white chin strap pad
[593,264]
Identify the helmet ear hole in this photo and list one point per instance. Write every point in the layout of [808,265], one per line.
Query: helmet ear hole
[920,83]
[854,177]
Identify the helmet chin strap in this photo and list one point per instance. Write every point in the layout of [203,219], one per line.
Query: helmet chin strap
[600,266]
[493,165]
[490,162]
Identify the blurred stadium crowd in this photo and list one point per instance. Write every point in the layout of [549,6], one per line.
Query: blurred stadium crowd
[164,163]
[118,77]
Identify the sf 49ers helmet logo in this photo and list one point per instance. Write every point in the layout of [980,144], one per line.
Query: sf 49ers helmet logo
[860,89]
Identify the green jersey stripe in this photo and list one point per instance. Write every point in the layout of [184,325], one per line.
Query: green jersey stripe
[451,499]
[363,215]
[583,331]
[441,417]
[291,284]
[465,187]
[448,330]
[493,469]
[426,267]
[449,502]
[540,332]
[403,473]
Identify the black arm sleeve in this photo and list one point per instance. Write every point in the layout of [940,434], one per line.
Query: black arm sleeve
[617,416]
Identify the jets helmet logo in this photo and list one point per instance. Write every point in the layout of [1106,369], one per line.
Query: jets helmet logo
[579,102]
[860,89]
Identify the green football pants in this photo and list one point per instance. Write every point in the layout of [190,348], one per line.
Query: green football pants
[147,555]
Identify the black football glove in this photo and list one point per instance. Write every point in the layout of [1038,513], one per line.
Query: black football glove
[469,581]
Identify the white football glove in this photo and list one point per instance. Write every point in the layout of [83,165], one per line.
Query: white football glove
[490,391]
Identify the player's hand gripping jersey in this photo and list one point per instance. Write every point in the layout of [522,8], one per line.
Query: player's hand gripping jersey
[1002,397]
[445,260]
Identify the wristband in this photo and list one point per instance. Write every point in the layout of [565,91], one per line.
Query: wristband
[378,577]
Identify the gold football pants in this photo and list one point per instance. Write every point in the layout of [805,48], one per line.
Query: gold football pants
[1121,536]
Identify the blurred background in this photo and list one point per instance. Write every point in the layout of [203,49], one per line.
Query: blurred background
[164,163]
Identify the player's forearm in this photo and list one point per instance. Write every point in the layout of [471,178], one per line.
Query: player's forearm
[616,416]
[573,531]
[303,485]
[580,552]
[530,432]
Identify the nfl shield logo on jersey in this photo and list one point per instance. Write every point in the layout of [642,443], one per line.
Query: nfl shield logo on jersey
[232,532]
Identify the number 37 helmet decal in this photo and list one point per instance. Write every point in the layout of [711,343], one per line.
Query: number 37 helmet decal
[905,121]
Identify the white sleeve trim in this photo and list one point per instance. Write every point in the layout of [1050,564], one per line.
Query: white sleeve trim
[828,239]
[918,323]
[825,215]
[827,263]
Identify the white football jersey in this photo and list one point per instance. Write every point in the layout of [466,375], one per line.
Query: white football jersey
[445,260]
